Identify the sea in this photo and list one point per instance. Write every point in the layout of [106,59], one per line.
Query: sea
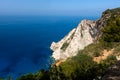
[25,41]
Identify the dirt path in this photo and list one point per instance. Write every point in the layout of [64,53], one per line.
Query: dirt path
[106,53]
[59,62]
[104,56]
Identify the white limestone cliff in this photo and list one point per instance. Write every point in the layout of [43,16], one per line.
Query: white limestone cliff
[76,40]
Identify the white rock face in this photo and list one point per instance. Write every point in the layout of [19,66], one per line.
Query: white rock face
[76,40]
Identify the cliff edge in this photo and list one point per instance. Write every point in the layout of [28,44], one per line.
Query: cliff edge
[88,32]
[77,39]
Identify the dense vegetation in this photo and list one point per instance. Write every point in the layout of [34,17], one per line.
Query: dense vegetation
[80,67]
[112,30]
[64,46]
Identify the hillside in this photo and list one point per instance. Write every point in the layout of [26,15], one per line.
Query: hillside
[88,50]
[88,32]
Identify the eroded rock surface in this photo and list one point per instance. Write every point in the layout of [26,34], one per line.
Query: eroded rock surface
[80,37]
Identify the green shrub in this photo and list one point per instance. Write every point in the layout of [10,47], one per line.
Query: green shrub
[79,67]
[111,59]
[27,77]
[96,54]
[64,46]
[1,79]
[111,33]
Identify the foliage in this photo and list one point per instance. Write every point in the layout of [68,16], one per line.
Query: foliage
[64,46]
[111,33]
[56,73]
[117,48]
[27,77]
[82,62]
[1,79]
[41,75]
[96,54]
[110,59]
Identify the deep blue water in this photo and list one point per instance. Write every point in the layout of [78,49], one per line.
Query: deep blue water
[25,41]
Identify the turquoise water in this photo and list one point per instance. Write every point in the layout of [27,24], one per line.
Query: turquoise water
[25,41]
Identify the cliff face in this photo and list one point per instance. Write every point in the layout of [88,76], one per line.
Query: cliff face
[87,32]
[77,39]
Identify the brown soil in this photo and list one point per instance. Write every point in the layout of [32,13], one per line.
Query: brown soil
[59,62]
[104,56]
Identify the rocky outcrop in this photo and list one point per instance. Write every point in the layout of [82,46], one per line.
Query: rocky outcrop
[80,37]
[113,72]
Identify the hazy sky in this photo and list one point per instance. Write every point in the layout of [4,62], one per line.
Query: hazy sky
[56,7]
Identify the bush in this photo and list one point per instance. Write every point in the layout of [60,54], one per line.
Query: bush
[82,68]
[96,54]
[111,32]
[1,79]
[27,77]
[110,59]
[64,46]
[117,48]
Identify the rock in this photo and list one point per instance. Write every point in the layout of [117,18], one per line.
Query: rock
[113,73]
[77,39]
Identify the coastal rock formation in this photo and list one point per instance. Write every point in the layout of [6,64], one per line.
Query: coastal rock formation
[86,33]
[80,37]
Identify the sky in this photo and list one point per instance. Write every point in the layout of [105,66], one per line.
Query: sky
[56,7]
